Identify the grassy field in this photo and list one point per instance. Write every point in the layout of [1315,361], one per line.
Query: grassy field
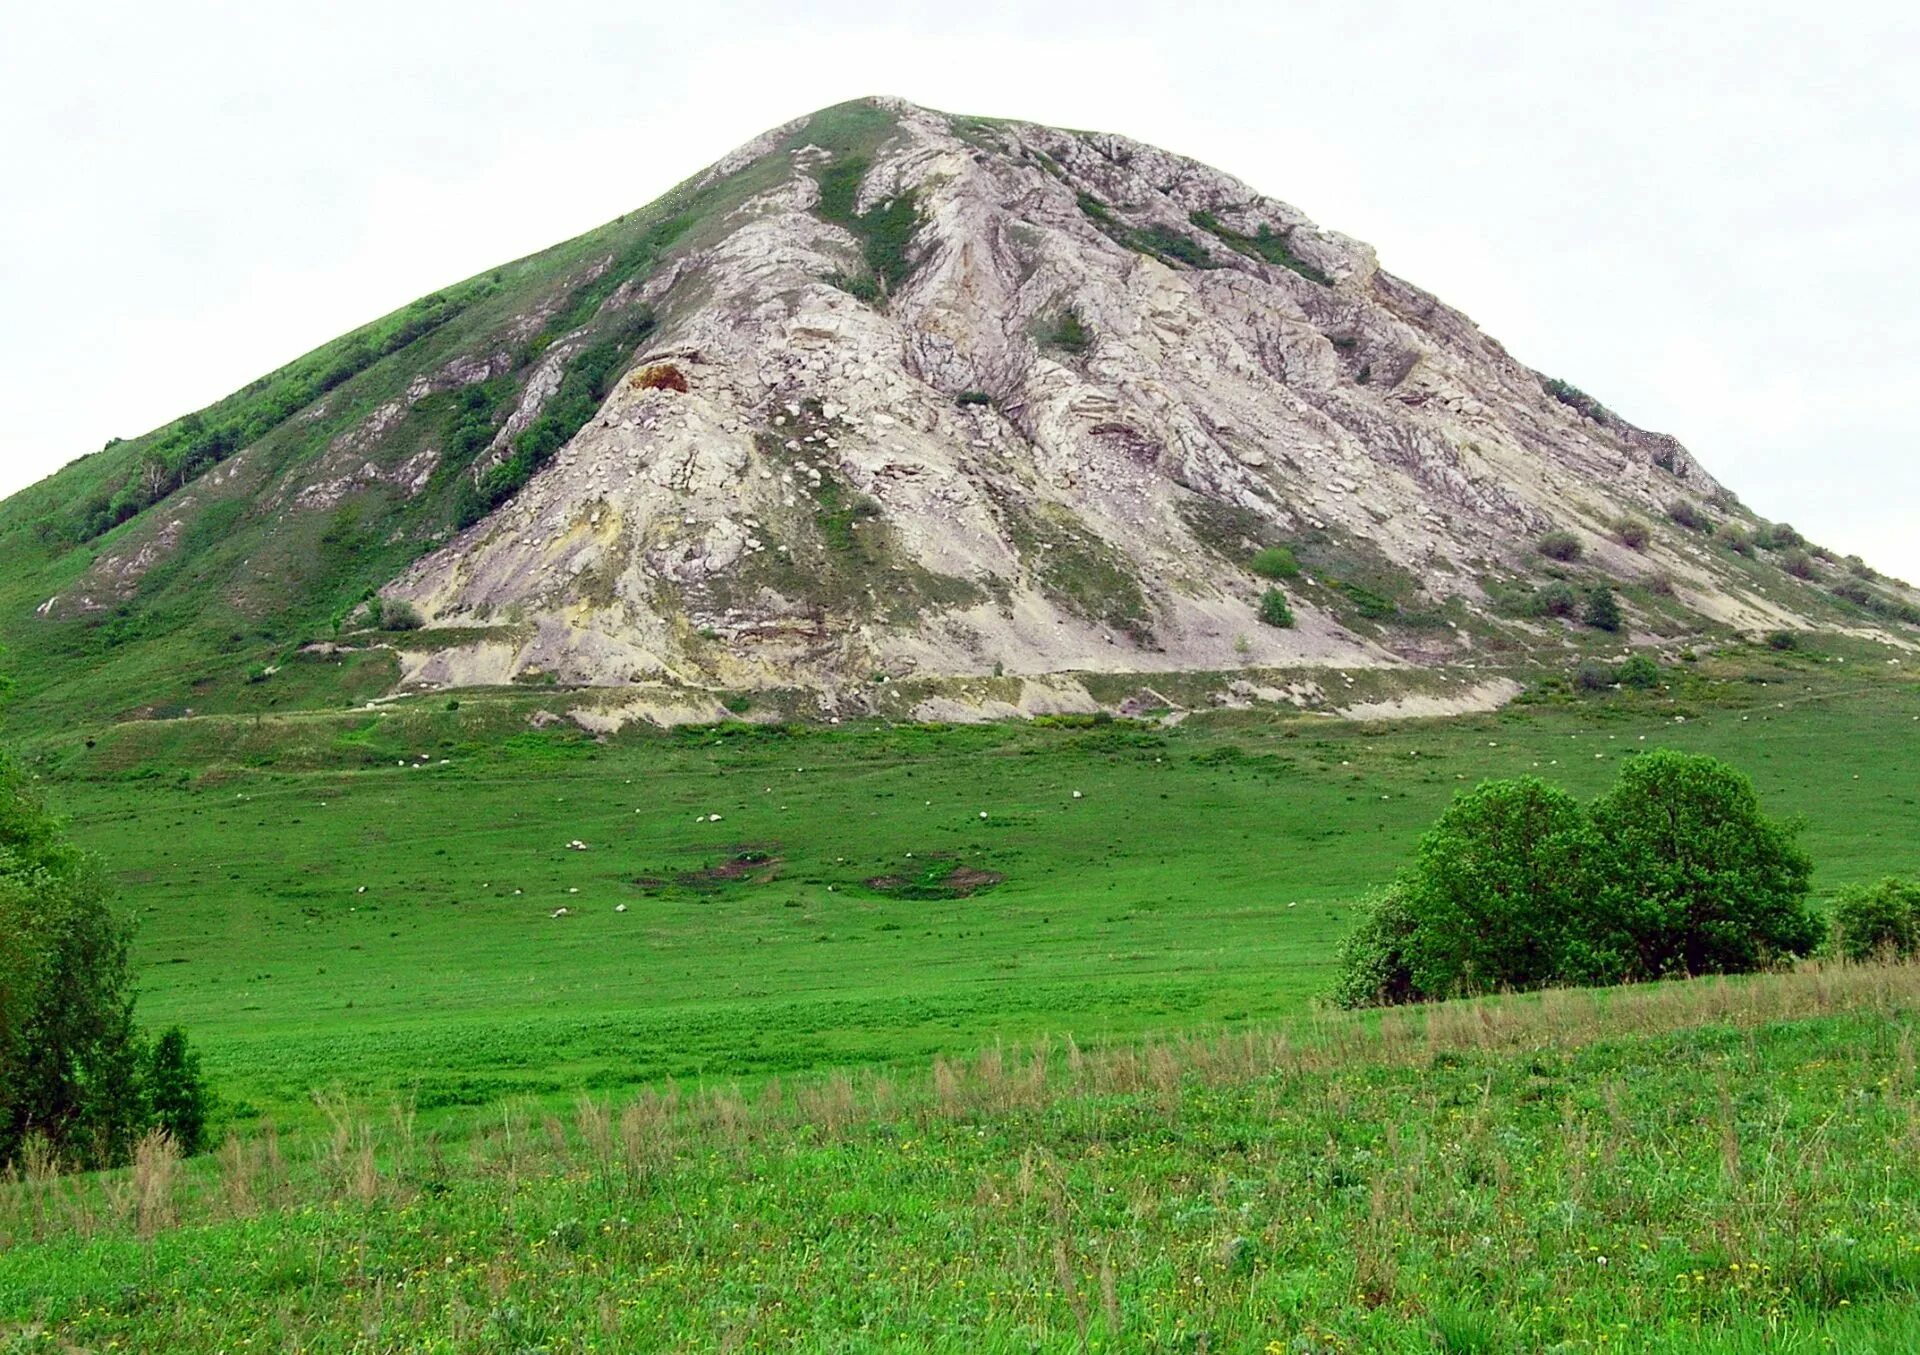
[997,1038]
[1713,1166]
[851,904]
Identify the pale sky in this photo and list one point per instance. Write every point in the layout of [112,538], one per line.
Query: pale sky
[1707,215]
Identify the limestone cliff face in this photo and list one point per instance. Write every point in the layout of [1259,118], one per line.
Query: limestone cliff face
[1047,437]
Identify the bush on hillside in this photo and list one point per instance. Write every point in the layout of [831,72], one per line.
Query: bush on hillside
[1639,672]
[1065,331]
[1798,563]
[1688,514]
[1275,562]
[1274,610]
[1880,921]
[1562,546]
[1632,533]
[1782,640]
[399,614]
[1592,675]
[1558,599]
[1673,871]
[1854,591]
[1602,608]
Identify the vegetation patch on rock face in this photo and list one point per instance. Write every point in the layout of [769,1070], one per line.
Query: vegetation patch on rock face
[836,550]
[1576,399]
[886,230]
[1160,242]
[1228,529]
[1063,331]
[1363,582]
[1079,570]
[1265,244]
[588,378]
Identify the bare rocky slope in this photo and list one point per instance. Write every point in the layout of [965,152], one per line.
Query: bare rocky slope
[978,409]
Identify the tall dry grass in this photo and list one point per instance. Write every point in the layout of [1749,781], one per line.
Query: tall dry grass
[366,1158]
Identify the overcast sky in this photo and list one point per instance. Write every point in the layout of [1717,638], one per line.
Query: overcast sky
[1706,215]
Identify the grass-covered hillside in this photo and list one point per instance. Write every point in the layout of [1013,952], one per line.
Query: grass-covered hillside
[1711,1166]
[168,572]
[366,899]
[1003,1038]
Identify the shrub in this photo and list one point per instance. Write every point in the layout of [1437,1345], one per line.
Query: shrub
[1688,514]
[1274,610]
[1783,640]
[1880,921]
[177,1095]
[1065,331]
[885,231]
[1632,533]
[1734,538]
[1275,562]
[1369,604]
[1558,599]
[973,398]
[1698,880]
[1562,546]
[1639,672]
[1602,609]
[584,384]
[1591,675]
[1778,536]
[1798,563]
[1373,969]
[399,614]
[1854,591]
[1265,244]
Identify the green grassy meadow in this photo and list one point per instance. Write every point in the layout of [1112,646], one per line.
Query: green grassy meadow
[854,1068]
[1202,876]
[1712,1166]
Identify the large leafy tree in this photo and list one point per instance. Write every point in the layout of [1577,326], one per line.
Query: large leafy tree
[1701,881]
[70,1054]
[1493,887]
[1674,871]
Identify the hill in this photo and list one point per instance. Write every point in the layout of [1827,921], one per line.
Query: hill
[892,410]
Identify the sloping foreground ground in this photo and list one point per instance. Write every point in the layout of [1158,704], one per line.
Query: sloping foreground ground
[1709,1166]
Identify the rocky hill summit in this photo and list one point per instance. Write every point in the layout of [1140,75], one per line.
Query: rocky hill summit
[1001,416]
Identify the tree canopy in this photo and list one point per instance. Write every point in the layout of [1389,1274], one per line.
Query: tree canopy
[75,1071]
[1675,870]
